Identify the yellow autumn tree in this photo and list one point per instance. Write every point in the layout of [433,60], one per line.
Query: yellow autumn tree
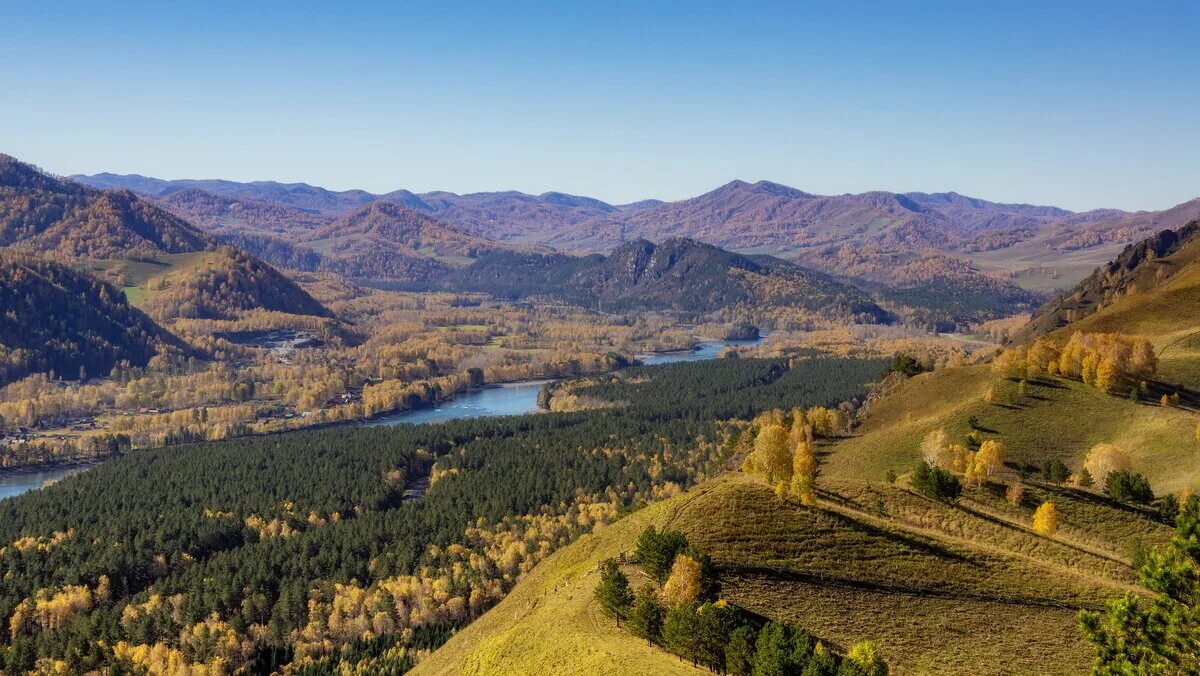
[1108,376]
[1045,519]
[683,585]
[804,474]
[932,446]
[773,457]
[991,456]
[1103,459]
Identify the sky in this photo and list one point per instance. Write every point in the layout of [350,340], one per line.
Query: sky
[1080,105]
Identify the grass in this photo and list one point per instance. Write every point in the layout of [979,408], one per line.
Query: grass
[138,273]
[1058,419]
[961,588]
[549,624]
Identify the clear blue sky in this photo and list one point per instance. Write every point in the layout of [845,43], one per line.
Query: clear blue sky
[1081,105]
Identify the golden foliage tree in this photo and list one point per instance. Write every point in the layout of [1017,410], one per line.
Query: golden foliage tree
[804,474]
[683,585]
[991,456]
[1103,459]
[772,454]
[1045,519]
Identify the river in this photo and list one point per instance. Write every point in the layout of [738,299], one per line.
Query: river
[496,400]
[17,481]
[521,397]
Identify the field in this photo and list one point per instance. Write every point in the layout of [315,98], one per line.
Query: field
[139,277]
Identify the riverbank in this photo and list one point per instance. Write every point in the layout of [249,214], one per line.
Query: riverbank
[17,480]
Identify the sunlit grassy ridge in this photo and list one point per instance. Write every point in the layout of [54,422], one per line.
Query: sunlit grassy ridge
[1056,419]
[135,276]
[932,582]
[550,624]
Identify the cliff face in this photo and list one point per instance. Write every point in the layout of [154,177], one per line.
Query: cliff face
[1140,267]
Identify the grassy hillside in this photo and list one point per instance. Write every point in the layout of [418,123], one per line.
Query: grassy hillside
[1057,419]
[926,579]
[550,623]
[207,284]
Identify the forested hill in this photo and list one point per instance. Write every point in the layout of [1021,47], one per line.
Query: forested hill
[396,225]
[678,274]
[1140,267]
[58,319]
[223,283]
[44,214]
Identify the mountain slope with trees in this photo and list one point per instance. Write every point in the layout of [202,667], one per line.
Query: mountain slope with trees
[59,320]
[1141,267]
[678,274]
[66,220]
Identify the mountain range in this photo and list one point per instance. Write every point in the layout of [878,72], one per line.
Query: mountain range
[160,259]
[1037,247]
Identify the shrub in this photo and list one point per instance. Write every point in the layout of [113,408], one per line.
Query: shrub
[1056,472]
[935,482]
[1128,487]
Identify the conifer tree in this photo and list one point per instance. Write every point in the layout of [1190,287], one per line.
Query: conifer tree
[1162,636]
[613,592]
[646,616]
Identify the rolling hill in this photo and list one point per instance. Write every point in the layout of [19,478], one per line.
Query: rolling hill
[43,214]
[166,266]
[219,284]
[57,319]
[679,274]
[223,214]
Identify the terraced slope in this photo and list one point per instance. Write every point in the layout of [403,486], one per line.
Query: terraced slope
[931,582]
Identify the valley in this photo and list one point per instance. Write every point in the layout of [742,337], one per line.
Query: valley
[600,339]
[291,430]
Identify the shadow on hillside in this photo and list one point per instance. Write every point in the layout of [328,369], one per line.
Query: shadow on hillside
[1012,526]
[1189,399]
[923,546]
[1096,499]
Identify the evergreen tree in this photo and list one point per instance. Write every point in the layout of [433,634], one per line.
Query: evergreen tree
[656,551]
[681,632]
[715,622]
[772,650]
[613,592]
[646,616]
[1162,636]
[935,482]
[1128,487]
[739,653]
[822,663]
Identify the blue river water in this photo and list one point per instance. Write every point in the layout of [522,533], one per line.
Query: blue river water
[518,398]
[498,400]
[18,482]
